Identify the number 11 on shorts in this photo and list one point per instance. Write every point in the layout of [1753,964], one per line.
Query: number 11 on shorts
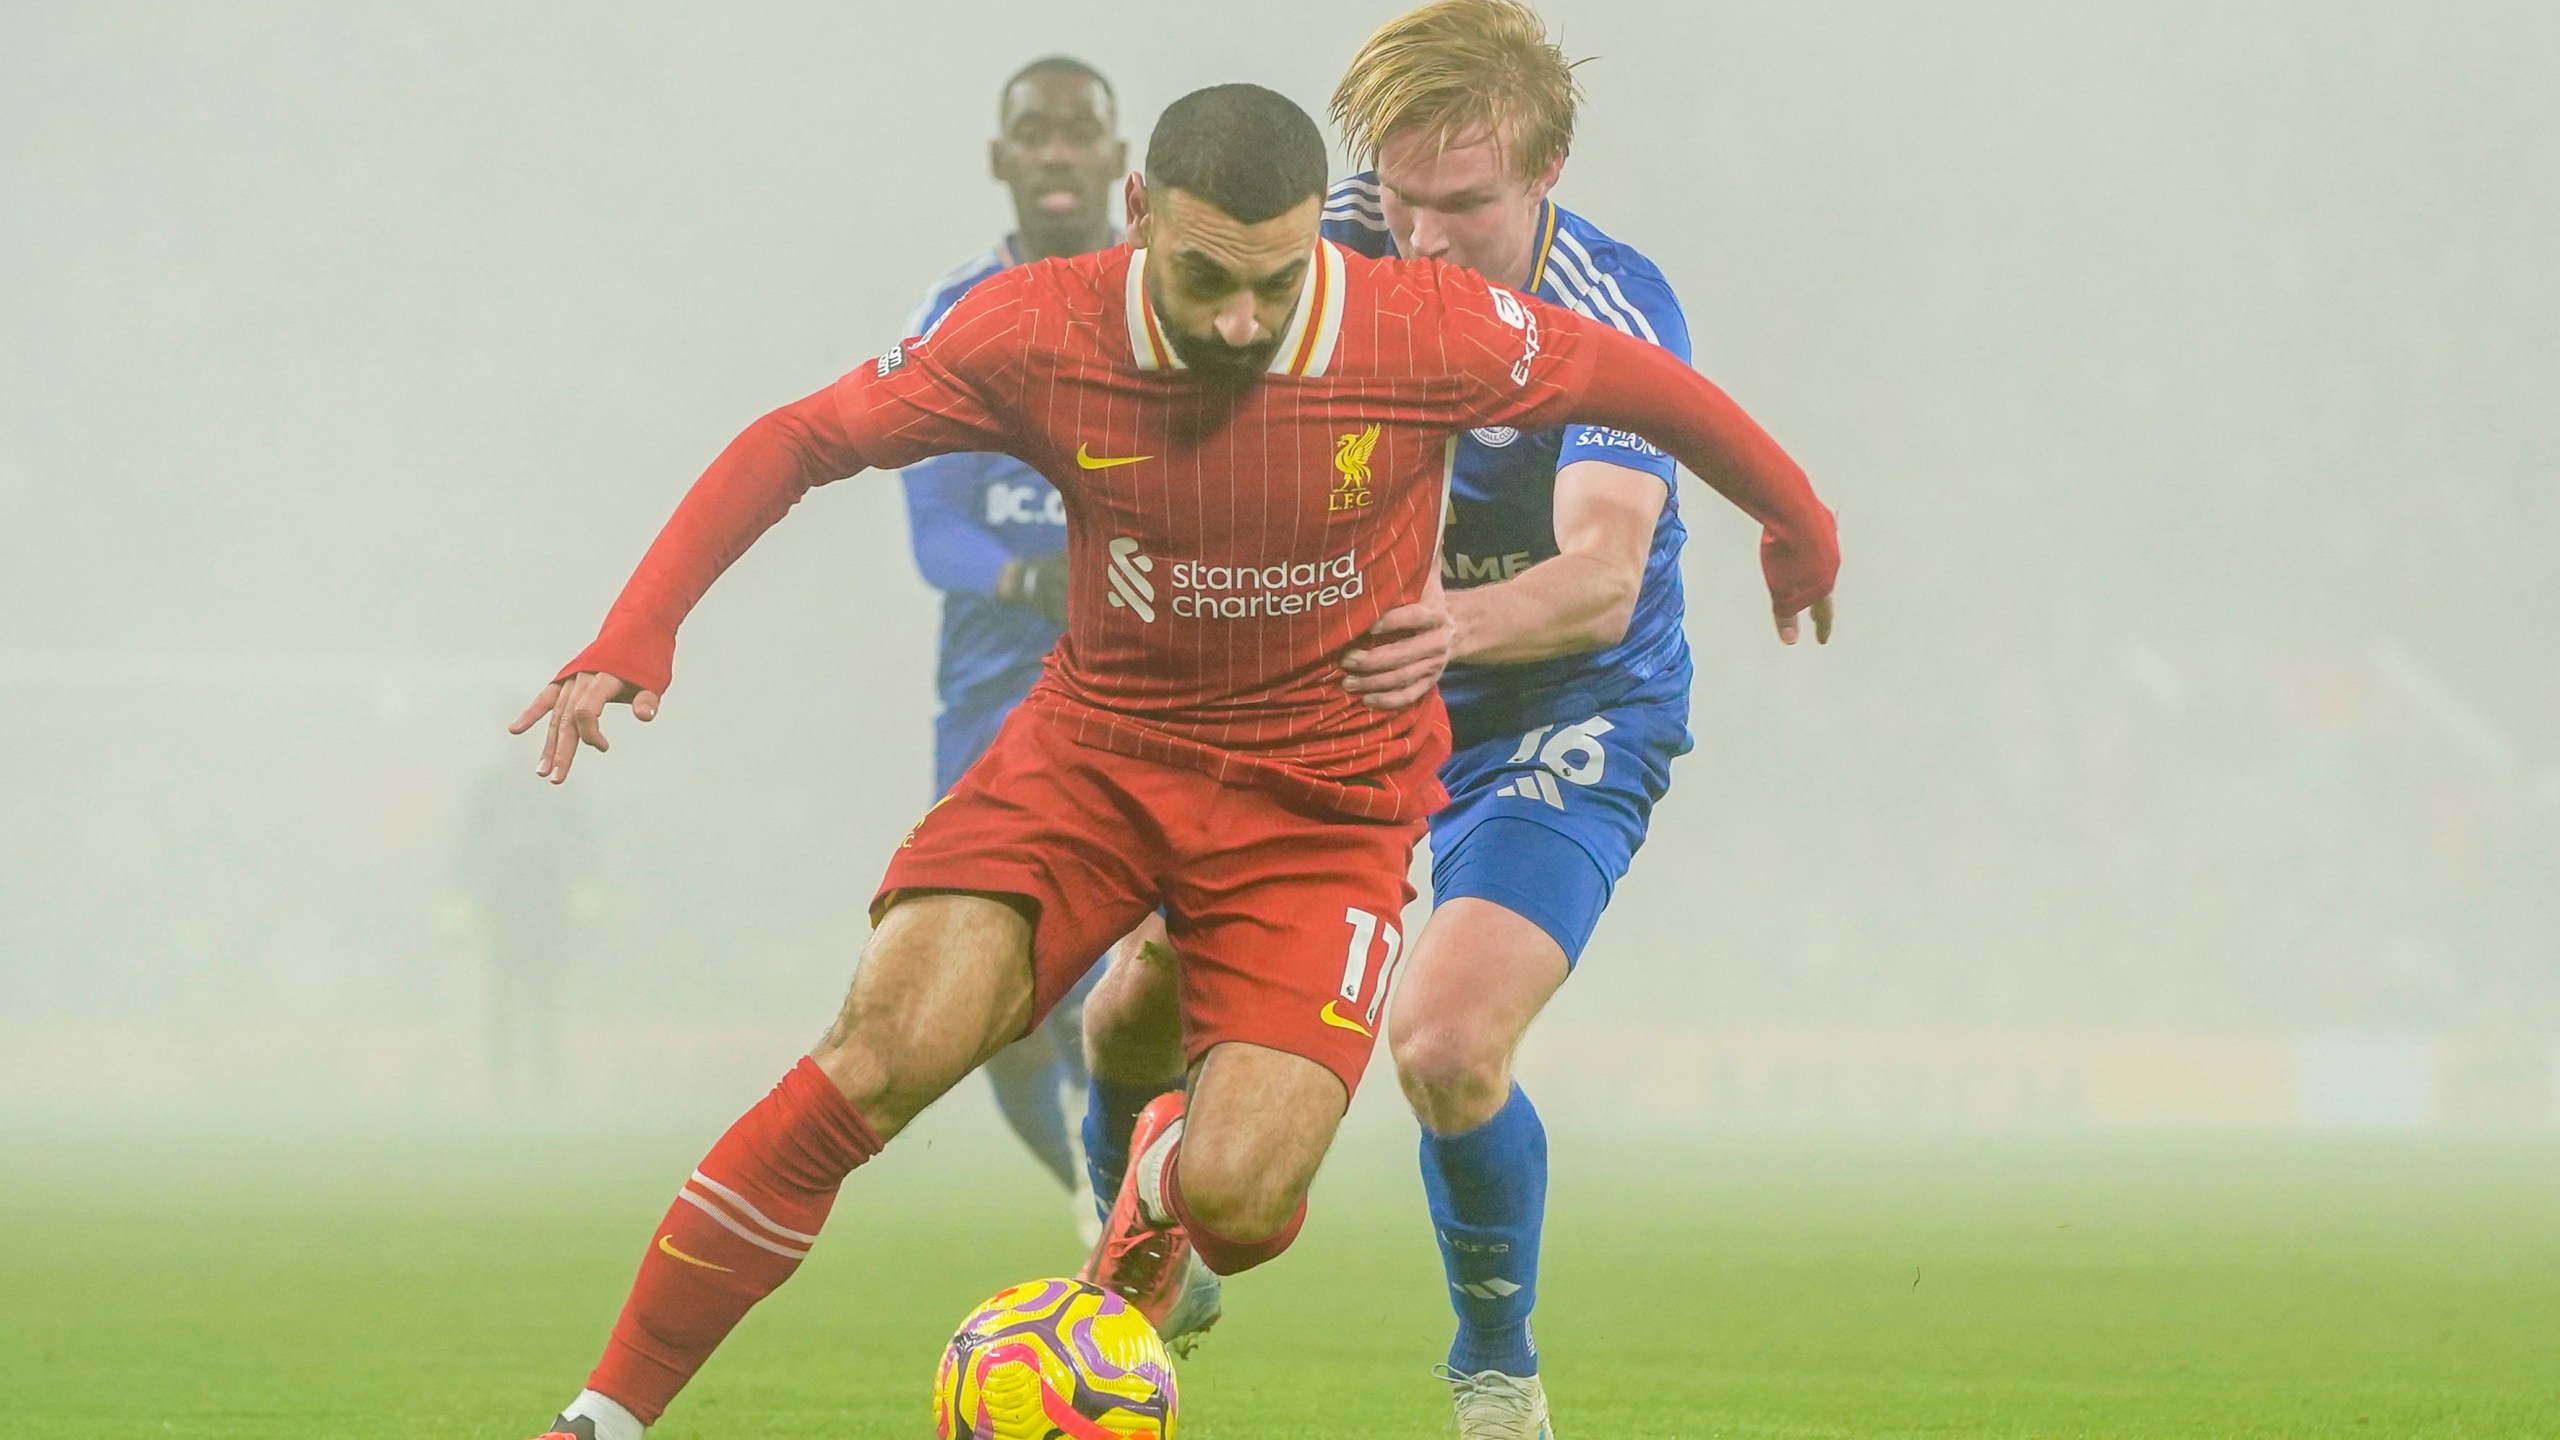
[1367,930]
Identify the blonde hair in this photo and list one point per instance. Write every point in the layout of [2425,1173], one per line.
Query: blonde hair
[1455,66]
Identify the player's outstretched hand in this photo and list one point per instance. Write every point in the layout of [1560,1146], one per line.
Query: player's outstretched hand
[1821,624]
[576,707]
[1398,661]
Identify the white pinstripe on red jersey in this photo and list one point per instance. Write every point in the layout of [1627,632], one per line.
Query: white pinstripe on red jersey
[1226,546]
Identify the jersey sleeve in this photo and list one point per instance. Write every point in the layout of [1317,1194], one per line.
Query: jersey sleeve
[930,395]
[1650,312]
[1639,387]
[946,390]
[1530,365]
[1521,363]
[751,485]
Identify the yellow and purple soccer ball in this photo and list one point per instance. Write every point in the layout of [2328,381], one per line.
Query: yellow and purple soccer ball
[1054,1360]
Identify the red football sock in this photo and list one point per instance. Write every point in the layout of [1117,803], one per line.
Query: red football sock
[1225,1256]
[738,1228]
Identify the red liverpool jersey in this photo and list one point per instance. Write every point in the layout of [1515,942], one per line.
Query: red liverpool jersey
[1226,544]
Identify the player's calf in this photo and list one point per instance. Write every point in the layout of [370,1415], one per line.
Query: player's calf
[1260,1122]
[940,988]
[1227,1190]
[739,1227]
[1480,974]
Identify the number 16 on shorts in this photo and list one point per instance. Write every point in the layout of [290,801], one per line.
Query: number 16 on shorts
[1571,753]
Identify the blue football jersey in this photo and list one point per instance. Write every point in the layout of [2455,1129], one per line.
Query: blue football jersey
[967,515]
[1502,490]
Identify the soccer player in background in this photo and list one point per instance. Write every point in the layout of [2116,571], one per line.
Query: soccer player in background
[526,881]
[991,532]
[1249,425]
[1568,691]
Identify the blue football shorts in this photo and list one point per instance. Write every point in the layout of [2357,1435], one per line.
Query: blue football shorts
[1546,823]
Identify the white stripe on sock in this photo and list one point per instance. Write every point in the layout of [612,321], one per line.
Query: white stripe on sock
[741,1231]
[780,1232]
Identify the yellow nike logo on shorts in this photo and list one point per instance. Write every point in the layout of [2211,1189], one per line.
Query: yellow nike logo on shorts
[667,1243]
[1086,459]
[1340,1021]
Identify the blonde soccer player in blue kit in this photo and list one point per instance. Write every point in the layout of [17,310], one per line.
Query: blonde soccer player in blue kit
[1568,701]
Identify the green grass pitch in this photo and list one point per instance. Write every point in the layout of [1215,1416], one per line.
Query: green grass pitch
[457,1288]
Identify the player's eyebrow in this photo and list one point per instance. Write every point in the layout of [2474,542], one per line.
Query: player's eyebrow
[1200,267]
[1286,275]
[1464,200]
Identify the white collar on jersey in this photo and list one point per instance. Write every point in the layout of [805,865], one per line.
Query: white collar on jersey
[1306,345]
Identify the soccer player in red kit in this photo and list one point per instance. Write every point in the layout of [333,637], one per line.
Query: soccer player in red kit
[1250,428]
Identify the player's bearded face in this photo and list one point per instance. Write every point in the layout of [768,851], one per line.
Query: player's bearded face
[1462,200]
[1223,290]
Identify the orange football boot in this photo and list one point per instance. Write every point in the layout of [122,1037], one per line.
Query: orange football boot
[1153,1266]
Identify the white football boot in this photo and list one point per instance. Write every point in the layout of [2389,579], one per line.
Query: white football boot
[594,1417]
[1200,1307]
[1495,1406]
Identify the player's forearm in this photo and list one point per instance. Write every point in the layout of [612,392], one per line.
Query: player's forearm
[958,561]
[1569,605]
[1635,386]
[754,483]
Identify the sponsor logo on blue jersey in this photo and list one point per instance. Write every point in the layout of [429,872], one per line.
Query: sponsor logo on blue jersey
[1011,504]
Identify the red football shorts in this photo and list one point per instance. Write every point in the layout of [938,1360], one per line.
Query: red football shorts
[1288,920]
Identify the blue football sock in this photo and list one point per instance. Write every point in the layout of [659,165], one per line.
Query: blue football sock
[1488,1192]
[1110,1113]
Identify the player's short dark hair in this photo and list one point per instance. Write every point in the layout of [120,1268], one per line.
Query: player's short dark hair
[1247,150]
[1054,65]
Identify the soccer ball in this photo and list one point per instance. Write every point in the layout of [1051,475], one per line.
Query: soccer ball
[1054,1358]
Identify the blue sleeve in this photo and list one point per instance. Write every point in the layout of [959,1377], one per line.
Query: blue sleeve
[953,548]
[1644,292]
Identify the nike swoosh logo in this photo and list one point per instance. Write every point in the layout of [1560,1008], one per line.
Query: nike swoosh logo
[1340,1021]
[667,1243]
[1086,459]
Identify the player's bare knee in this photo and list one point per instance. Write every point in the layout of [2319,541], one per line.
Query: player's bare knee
[1116,1013]
[1244,1187]
[887,1083]
[1454,1081]
[1239,1201]
[1132,1025]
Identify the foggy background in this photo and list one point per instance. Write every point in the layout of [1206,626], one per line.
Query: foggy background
[2183,375]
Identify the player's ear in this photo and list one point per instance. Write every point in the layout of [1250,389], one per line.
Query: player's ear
[995,161]
[1544,182]
[1134,195]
